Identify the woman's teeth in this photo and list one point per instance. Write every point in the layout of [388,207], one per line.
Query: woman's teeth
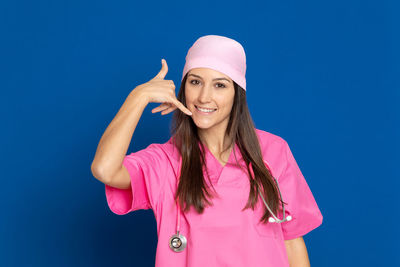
[205,110]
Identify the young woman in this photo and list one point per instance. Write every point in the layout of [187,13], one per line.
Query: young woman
[223,192]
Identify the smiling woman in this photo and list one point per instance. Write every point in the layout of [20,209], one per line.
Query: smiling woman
[209,99]
[217,178]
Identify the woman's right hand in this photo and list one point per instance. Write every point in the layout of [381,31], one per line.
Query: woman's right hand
[158,90]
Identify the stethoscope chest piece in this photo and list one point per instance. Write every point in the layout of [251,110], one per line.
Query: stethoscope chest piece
[177,242]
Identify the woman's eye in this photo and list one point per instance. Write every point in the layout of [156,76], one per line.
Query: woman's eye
[219,85]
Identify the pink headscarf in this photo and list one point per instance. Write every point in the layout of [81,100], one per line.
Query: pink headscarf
[220,53]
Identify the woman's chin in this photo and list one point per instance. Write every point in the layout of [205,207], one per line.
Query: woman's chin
[202,124]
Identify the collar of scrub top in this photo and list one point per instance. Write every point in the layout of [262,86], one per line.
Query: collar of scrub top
[274,218]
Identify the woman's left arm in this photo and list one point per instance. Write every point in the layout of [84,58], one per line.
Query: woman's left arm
[297,252]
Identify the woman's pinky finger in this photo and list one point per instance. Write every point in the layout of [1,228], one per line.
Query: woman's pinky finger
[182,107]
[168,110]
[161,107]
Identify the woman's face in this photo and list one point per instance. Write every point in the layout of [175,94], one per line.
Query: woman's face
[209,89]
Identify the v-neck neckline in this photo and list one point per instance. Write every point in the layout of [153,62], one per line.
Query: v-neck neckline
[217,161]
[215,168]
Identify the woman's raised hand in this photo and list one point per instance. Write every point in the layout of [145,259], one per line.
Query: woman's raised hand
[158,90]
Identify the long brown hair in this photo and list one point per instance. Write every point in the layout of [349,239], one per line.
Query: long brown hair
[191,189]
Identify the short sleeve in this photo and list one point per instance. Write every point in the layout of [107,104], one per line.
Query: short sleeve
[301,204]
[146,168]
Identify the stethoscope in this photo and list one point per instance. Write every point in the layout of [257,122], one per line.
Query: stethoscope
[178,242]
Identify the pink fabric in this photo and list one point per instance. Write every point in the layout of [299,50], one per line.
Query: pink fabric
[220,53]
[238,238]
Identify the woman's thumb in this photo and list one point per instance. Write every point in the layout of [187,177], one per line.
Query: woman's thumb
[164,69]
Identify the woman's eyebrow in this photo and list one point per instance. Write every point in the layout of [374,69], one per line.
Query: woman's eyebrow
[213,79]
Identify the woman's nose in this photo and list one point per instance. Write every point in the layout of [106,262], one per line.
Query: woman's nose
[205,94]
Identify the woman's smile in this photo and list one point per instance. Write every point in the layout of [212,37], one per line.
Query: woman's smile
[204,111]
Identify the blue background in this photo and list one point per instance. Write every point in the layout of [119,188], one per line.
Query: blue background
[322,75]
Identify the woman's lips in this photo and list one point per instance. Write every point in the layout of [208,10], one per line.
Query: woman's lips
[204,113]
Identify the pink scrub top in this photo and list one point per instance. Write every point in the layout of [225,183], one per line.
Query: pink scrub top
[223,235]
